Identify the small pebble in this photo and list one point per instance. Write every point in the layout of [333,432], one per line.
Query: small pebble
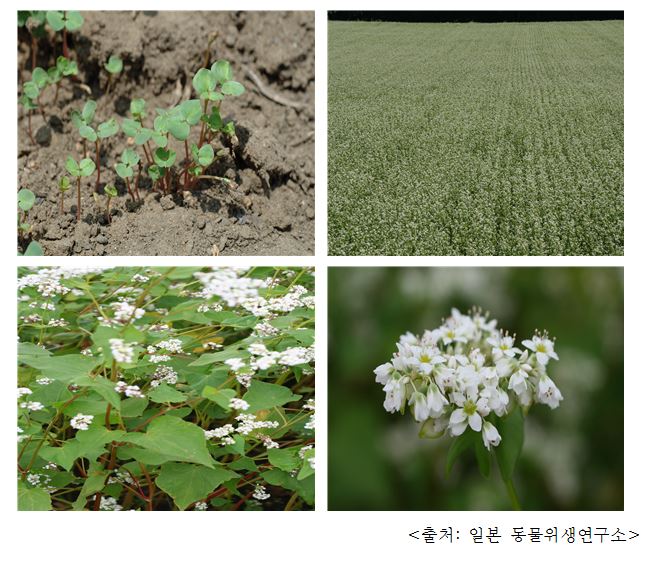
[44,136]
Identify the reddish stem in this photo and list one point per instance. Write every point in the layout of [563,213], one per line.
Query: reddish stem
[187,160]
[98,163]
[65,47]
[79,204]
[130,191]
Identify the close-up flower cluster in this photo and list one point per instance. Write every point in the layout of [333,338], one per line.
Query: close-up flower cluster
[466,374]
[166,388]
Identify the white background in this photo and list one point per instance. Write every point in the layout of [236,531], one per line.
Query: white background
[269,536]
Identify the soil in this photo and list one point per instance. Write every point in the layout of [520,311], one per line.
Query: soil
[266,204]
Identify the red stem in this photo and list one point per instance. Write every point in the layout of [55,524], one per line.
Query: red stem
[65,48]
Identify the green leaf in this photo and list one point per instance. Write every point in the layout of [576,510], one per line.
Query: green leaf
[461,444]
[133,407]
[219,396]
[31,90]
[88,111]
[130,157]
[154,172]
[74,20]
[164,158]
[187,483]
[101,385]
[175,438]
[305,336]
[33,249]
[123,170]
[110,190]
[203,81]
[108,128]
[25,199]
[64,368]
[87,167]
[94,483]
[89,444]
[55,20]
[267,395]
[221,70]
[66,67]
[27,349]
[114,65]
[138,107]
[232,88]
[305,487]
[130,127]
[511,429]
[143,135]
[87,132]
[33,499]
[72,166]
[40,77]
[286,459]
[191,111]
[179,129]
[166,394]
[205,155]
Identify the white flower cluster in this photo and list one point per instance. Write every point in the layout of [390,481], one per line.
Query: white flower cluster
[268,442]
[110,504]
[44,381]
[139,278]
[82,421]
[124,312]
[47,281]
[164,374]
[238,404]
[465,371]
[128,390]
[32,405]
[171,346]
[200,505]
[265,329]
[121,351]
[260,493]
[247,423]
[23,391]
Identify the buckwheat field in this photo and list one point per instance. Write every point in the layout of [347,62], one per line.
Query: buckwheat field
[476,139]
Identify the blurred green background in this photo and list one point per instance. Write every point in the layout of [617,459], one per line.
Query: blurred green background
[572,457]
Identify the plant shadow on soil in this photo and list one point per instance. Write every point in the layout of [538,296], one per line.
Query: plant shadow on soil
[266,204]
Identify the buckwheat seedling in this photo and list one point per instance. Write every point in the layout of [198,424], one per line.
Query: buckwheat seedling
[111,192]
[26,199]
[63,185]
[64,22]
[35,22]
[129,159]
[113,66]
[63,67]
[80,170]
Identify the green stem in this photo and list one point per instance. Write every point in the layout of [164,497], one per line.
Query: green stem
[512,495]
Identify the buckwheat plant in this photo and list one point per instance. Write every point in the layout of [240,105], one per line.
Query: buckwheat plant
[165,389]
[467,379]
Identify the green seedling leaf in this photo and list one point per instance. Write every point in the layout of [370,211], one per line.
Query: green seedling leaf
[511,429]
[73,20]
[229,128]
[87,132]
[87,167]
[221,70]
[187,483]
[40,77]
[204,81]
[204,156]
[179,129]
[130,157]
[31,90]
[138,108]
[191,111]
[27,103]
[76,119]
[72,167]
[143,135]
[232,88]
[66,67]
[159,139]
[64,184]
[88,111]
[108,128]
[164,158]
[211,95]
[33,249]
[54,75]
[110,190]
[114,65]
[25,199]
[123,170]
[154,172]
[55,20]
[130,127]
[214,120]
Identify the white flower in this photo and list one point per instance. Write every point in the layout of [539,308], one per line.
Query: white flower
[491,436]
[395,394]
[128,390]
[110,504]
[424,358]
[122,351]
[82,421]
[543,348]
[548,393]
[383,373]
[238,404]
[32,405]
[503,346]
[23,391]
[260,493]
[421,410]
[44,381]
[435,400]
[200,505]
[235,363]
[471,409]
